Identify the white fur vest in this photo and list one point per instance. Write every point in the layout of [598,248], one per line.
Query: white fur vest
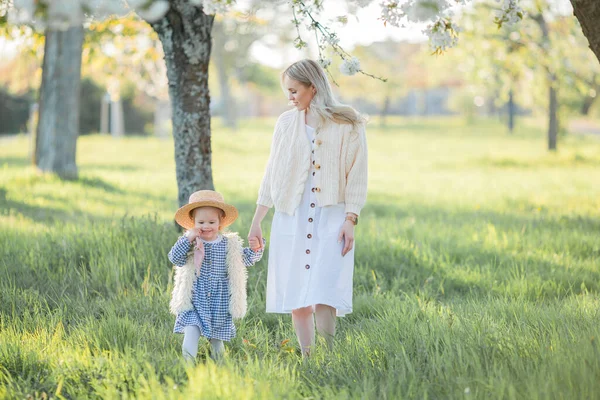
[181,299]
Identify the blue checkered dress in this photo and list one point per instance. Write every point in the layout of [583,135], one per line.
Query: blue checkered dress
[210,296]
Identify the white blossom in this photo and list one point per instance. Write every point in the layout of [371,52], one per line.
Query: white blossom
[3,8]
[350,66]
[155,11]
[511,12]
[60,14]
[391,12]
[361,3]
[324,62]
[332,39]
[216,6]
[443,34]
[22,12]
[424,10]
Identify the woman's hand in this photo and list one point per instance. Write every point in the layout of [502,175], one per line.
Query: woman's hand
[255,238]
[347,235]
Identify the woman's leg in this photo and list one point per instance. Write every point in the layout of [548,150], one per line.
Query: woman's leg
[304,325]
[325,317]
[217,349]
[191,335]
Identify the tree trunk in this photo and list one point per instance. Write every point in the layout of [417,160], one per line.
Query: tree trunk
[553,99]
[589,100]
[58,123]
[186,39]
[384,111]
[227,101]
[104,113]
[117,119]
[552,115]
[491,106]
[511,111]
[588,14]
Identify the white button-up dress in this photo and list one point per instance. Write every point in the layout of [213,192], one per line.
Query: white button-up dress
[306,266]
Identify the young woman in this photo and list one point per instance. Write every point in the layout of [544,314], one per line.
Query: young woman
[316,178]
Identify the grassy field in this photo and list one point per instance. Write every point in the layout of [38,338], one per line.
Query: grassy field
[477,273]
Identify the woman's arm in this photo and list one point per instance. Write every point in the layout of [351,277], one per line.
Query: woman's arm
[255,229]
[264,192]
[357,167]
[259,214]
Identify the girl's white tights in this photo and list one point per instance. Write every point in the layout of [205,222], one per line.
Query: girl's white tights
[191,335]
[304,324]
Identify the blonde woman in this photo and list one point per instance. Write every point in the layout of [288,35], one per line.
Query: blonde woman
[316,178]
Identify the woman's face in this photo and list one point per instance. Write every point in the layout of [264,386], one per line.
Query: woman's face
[298,94]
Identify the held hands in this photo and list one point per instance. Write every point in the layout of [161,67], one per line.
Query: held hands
[347,235]
[255,238]
[254,243]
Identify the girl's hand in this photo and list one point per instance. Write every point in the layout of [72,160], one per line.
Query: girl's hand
[192,234]
[255,238]
[347,235]
[254,244]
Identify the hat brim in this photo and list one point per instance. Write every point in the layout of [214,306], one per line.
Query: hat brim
[184,218]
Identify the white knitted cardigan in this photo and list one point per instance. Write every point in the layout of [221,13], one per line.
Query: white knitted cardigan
[340,162]
[181,299]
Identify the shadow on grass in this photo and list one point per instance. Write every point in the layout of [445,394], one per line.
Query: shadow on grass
[503,220]
[446,265]
[109,167]
[442,265]
[97,183]
[47,215]
[573,161]
[15,161]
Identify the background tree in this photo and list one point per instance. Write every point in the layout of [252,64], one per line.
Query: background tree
[127,50]
[184,28]
[588,14]
[58,121]
[501,65]
[396,61]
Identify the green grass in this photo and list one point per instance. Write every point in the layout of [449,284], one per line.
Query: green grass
[477,272]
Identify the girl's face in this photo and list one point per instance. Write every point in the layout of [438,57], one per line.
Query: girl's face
[207,220]
[298,93]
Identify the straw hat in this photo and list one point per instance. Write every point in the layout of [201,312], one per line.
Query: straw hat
[205,198]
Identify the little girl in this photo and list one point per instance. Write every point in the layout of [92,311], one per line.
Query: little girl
[210,274]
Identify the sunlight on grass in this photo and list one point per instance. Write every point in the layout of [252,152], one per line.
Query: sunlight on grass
[477,272]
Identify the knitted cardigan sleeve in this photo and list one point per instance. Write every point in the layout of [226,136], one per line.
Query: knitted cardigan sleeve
[356,178]
[265,197]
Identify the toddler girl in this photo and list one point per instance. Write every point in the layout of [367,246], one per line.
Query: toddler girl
[210,274]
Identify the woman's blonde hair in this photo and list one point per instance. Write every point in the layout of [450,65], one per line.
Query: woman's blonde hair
[324,103]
